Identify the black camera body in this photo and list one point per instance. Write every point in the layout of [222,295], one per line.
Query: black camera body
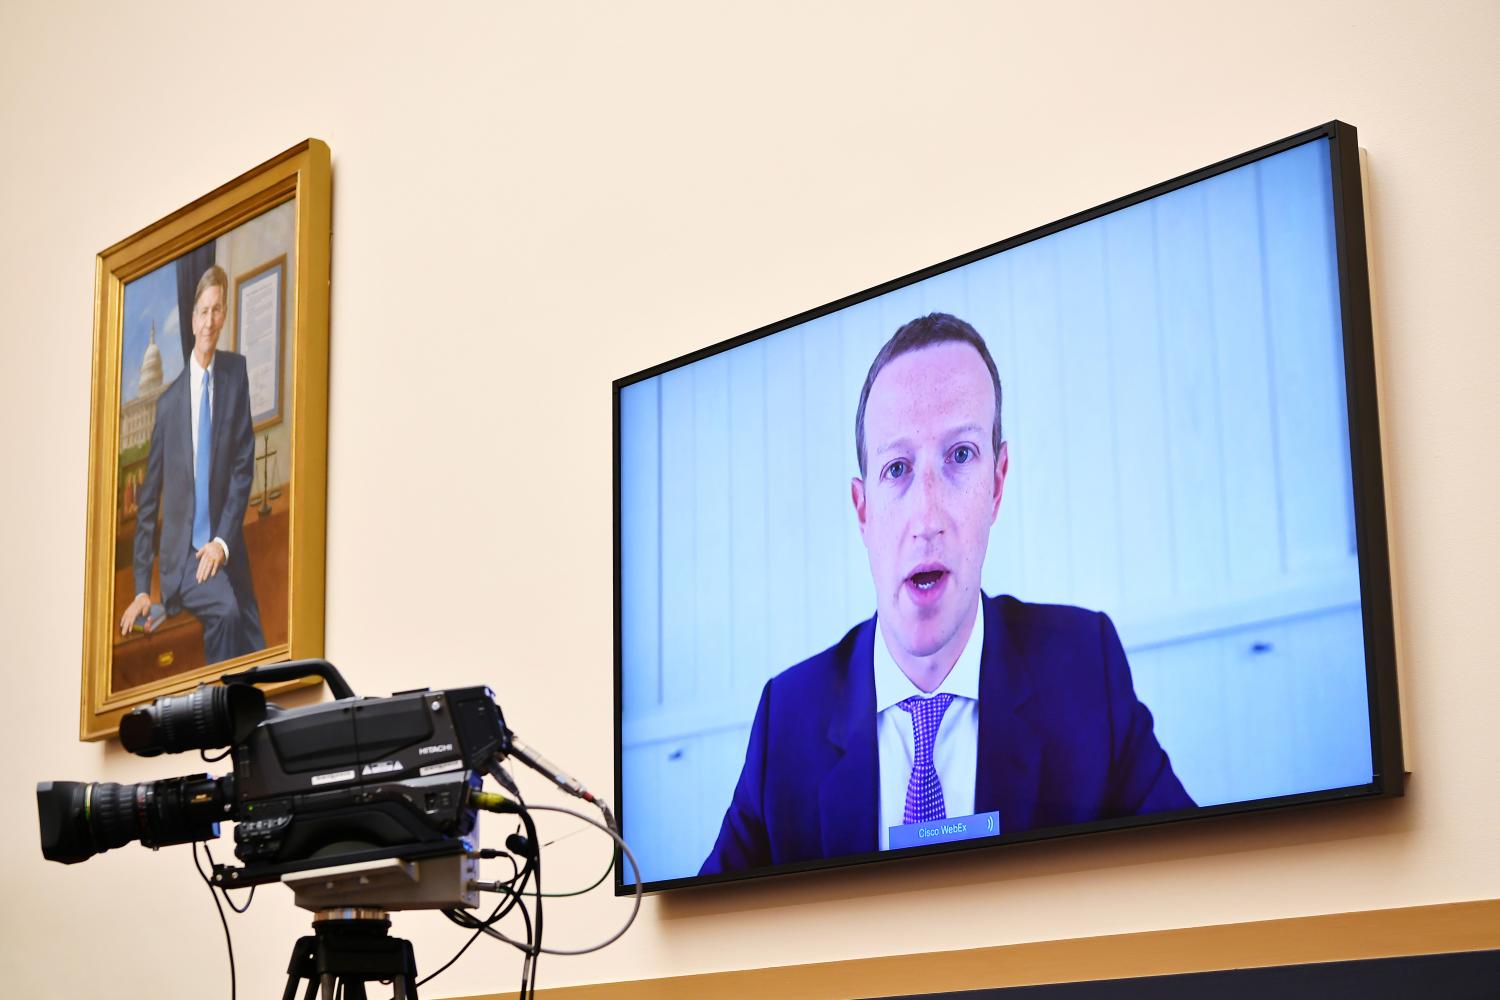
[351,780]
[362,775]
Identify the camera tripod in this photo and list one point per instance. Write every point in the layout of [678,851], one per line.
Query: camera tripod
[349,947]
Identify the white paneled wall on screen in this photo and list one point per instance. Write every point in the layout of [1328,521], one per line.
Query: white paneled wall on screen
[1174,406]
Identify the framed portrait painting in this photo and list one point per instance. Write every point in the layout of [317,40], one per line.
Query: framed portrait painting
[208,440]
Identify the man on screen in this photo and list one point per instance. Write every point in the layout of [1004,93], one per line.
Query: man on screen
[947,703]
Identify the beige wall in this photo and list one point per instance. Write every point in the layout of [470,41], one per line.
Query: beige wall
[531,200]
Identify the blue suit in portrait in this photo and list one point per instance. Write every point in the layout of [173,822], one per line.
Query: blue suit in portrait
[1062,740]
[225,603]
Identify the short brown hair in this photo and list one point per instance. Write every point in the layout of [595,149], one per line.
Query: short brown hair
[925,331]
[213,276]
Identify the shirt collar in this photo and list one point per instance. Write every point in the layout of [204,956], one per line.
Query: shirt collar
[198,369]
[892,686]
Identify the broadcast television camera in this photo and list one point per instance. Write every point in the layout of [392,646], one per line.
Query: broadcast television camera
[359,805]
[341,783]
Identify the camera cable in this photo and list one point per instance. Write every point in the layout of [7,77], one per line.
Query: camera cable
[531,948]
[582,892]
[465,920]
[228,941]
[635,867]
[514,892]
[229,902]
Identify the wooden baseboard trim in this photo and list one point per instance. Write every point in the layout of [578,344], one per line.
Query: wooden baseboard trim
[1416,930]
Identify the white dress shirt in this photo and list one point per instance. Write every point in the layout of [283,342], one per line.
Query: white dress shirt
[195,390]
[955,753]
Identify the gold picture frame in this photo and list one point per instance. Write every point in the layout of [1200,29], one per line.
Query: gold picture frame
[253,593]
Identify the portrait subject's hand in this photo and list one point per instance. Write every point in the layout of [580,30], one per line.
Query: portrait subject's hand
[210,559]
[138,607]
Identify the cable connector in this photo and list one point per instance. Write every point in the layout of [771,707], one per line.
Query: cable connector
[529,756]
[493,802]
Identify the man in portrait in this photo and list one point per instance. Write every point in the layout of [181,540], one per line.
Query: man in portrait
[199,471]
[948,702]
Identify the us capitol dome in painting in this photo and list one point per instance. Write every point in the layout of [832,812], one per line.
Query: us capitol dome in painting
[138,416]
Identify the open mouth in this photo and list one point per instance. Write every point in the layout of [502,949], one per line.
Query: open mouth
[927,584]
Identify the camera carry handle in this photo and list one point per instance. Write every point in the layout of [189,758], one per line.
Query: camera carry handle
[294,670]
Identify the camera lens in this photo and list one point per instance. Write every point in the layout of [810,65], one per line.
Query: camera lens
[207,717]
[61,807]
[79,820]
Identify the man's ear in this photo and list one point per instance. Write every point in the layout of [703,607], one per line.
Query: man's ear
[857,494]
[1002,469]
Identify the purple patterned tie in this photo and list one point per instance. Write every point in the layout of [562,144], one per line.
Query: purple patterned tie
[924,792]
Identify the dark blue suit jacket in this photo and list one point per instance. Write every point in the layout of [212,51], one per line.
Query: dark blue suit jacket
[168,485]
[1062,740]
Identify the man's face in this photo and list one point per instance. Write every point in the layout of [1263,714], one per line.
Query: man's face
[931,491]
[208,320]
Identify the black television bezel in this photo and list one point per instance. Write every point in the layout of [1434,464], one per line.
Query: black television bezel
[1386,755]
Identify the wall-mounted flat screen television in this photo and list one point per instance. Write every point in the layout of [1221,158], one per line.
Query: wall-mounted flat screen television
[1078,531]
